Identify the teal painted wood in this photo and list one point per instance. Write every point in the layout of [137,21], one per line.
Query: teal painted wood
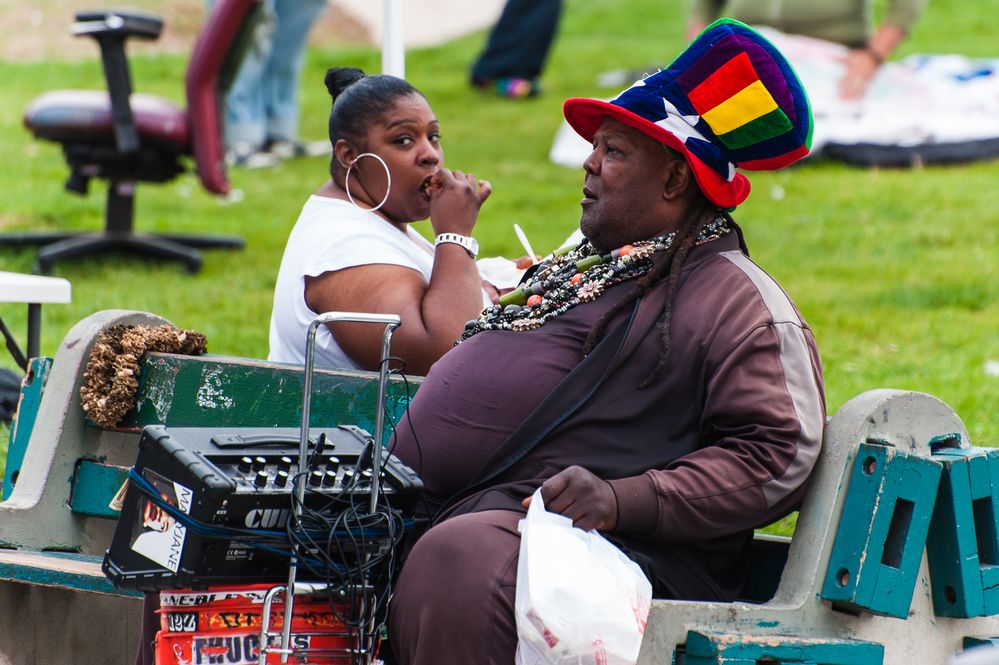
[79,572]
[956,587]
[216,391]
[988,539]
[24,420]
[94,485]
[883,527]
[914,481]
[714,648]
[963,546]
[853,531]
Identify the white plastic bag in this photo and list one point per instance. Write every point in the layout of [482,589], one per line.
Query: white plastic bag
[580,600]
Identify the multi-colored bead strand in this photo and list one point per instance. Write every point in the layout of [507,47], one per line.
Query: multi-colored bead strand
[572,276]
[565,280]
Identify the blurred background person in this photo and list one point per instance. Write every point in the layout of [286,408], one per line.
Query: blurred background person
[261,106]
[518,48]
[846,22]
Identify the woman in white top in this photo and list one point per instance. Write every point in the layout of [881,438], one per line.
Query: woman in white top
[352,248]
[344,256]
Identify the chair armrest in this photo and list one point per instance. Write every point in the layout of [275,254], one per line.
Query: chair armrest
[123,22]
[111,28]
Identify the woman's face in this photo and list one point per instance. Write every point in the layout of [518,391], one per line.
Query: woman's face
[407,137]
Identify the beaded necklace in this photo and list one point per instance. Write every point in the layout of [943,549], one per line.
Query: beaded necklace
[576,275]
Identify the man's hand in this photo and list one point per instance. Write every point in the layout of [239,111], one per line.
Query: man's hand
[491,291]
[579,495]
[861,65]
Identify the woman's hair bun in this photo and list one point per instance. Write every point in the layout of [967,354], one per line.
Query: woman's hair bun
[339,79]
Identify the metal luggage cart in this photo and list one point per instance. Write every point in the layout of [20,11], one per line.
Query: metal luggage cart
[362,645]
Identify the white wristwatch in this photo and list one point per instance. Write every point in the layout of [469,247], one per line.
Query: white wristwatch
[470,244]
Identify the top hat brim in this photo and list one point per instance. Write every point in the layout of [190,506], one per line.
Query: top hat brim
[585,115]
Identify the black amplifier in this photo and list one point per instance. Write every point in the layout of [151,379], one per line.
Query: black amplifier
[238,479]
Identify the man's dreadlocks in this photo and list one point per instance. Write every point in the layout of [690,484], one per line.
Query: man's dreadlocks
[669,268]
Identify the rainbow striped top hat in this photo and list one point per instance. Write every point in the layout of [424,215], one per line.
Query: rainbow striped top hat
[729,101]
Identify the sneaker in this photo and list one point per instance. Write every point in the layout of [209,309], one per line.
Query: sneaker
[509,87]
[285,149]
[244,155]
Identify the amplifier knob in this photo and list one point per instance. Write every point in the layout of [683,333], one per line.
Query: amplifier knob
[329,478]
[259,463]
[245,465]
[284,463]
[316,478]
[332,462]
[281,479]
[260,480]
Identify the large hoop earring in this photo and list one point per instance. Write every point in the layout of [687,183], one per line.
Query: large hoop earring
[388,176]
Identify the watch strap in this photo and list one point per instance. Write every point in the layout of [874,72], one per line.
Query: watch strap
[470,244]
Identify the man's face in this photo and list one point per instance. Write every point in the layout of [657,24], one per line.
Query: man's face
[623,189]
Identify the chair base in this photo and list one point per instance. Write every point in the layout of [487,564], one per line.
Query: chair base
[118,235]
[57,246]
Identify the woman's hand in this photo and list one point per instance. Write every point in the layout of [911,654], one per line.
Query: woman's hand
[581,496]
[455,199]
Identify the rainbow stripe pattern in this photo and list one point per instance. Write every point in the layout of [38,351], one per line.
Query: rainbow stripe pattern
[732,98]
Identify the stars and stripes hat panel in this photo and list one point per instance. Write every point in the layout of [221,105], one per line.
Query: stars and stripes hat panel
[730,101]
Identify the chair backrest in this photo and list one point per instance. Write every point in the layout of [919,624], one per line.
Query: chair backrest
[216,56]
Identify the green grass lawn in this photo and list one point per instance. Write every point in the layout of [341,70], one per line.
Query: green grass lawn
[894,269]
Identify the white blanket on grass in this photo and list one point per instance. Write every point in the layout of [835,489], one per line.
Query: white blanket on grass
[920,100]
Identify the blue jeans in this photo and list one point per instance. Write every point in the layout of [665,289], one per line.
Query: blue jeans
[262,102]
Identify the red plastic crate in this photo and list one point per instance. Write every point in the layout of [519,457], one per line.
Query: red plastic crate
[221,626]
[243,648]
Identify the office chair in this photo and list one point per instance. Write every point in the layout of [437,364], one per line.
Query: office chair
[126,138]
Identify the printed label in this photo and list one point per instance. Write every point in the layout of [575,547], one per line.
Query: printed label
[234,649]
[539,625]
[267,518]
[168,599]
[182,622]
[156,535]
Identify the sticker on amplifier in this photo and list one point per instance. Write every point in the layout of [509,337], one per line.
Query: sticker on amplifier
[193,598]
[209,649]
[156,535]
[182,622]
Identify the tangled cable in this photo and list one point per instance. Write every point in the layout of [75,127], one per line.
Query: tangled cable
[353,550]
[334,536]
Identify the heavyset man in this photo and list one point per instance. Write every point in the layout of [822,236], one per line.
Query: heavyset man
[656,383]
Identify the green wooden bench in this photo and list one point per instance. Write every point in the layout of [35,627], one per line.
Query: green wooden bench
[894,560]
[62,473]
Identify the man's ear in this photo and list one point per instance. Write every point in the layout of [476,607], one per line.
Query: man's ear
[345,153]
[679,178]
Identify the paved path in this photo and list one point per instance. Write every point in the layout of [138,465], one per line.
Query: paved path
[40,30]
[428,22]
